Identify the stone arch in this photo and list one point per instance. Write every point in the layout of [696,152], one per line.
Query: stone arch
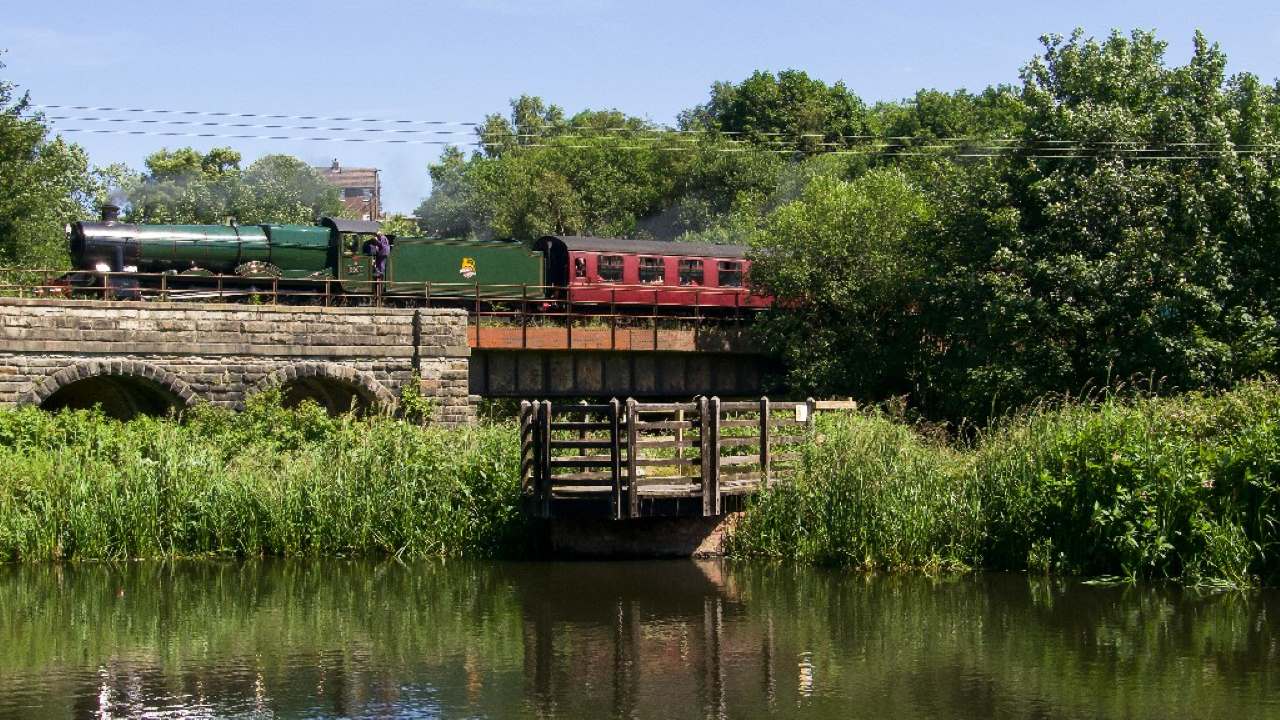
[334,387]
[123,388]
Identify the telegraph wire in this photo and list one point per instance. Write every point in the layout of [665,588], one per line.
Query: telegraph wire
[656,138]
[649,135]
[218,113]
[906,150]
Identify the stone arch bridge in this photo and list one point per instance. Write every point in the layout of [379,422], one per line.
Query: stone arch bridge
[130,357]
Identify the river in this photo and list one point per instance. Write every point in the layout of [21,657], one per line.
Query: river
[678,639]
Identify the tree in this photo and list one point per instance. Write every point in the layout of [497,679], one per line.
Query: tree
[46,184]
[283,189]
[400,226]
[184,186]
[788,110]
[843,262]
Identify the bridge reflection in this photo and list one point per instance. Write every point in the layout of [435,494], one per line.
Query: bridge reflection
[626,639]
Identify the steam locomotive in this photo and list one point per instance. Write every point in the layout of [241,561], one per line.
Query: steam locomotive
[330,258]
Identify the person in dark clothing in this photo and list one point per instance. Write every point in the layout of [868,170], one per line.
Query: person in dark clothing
[379,248]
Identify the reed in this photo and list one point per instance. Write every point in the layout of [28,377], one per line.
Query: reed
[1184,488]
[265,482]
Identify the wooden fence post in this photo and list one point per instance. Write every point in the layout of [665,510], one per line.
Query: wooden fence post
[633,477]
[764,442]
[679,434]
[704,448]
[544,459]
[813,411]
[526,449]
[615,470]
[711,459]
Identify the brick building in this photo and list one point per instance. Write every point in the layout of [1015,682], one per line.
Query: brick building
[360,188]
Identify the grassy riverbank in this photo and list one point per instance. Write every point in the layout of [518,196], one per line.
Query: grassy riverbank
[264,482]
[1185,488]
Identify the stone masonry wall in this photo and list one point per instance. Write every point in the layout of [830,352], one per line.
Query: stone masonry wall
[222,353]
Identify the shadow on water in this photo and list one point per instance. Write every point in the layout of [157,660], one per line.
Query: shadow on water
[631,639]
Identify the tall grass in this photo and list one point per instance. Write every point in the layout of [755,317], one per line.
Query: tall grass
[265,482]
[1185,488]
[870,494]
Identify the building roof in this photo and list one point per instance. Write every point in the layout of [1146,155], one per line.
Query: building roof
[641,247]
[351,226]
[345,177]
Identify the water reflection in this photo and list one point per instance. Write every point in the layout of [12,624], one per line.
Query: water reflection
[636,639]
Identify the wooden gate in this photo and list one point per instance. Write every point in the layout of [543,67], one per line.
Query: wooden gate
[632,459]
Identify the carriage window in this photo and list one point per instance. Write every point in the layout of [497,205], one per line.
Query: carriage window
[730,273]
[610,268]
[690,272]
[651,270]
[580,267]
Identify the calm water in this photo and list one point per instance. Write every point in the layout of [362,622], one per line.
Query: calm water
[591,640]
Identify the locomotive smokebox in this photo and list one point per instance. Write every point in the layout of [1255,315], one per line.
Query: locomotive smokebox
[110,212]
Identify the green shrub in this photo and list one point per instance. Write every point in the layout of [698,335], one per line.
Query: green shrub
[268,481]
[870,494]
[1185,488]
[1182,487]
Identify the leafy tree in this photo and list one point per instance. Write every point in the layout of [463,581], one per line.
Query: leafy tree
[788,110]
[46,184]
[532,121]
[448,211]
[183,186]
[843,259]
[401,226]
[283,189]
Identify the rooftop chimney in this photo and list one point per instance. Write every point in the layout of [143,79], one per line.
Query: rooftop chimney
[110,213]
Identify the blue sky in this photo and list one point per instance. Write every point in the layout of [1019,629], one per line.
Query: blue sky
[457,61]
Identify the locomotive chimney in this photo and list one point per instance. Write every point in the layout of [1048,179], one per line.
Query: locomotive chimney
[110,212]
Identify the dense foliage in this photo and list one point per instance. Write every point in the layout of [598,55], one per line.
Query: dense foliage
[1110,216]
[1185,488]
[183,186]
[44,183]
[264,482]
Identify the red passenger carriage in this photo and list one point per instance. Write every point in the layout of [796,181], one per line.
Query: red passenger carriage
[647,272]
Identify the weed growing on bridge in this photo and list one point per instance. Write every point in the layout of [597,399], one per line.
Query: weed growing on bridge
[268,481]
[1185,488]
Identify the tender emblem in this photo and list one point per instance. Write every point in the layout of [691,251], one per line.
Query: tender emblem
[468,269]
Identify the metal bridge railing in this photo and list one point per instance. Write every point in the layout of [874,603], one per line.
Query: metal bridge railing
[490,306]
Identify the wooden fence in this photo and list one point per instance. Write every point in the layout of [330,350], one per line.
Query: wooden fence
[656,458]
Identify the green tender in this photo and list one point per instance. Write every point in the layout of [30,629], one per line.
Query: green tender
[452,267]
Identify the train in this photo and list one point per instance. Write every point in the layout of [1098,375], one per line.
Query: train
[331,259]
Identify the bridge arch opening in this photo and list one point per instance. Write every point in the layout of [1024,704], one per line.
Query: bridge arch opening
[336,388]
[122,390]
[335,396]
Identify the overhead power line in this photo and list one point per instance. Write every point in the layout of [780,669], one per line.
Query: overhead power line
[656,135]
[218,113]
[224,125]
[894,150]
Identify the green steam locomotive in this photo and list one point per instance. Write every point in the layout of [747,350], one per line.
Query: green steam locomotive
[327,257]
